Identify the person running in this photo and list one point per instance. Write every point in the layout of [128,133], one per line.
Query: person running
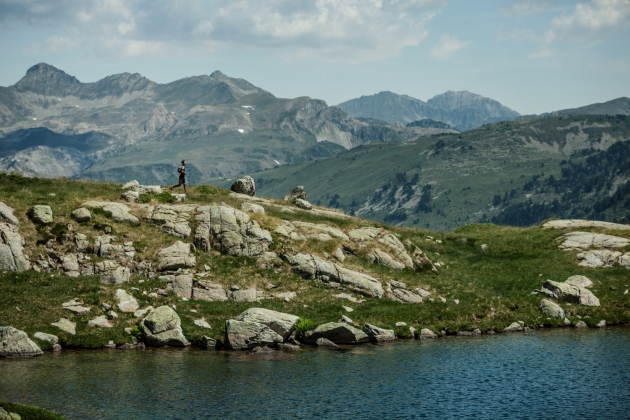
[182,177]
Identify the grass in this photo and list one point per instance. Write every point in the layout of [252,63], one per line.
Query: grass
[31,413]
[493,285]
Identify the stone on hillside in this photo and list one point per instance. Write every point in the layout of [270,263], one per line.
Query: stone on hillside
[338,333]
[245,185]
[52,339]
[181,285]
[323,228]
[110,272]
[70,265]
[81,215]
[345,320]
[12,257]
[179,255]
[312,267]
[585,240]
[202,323]
[303,204]
[513,327]
[383,258]
[162,327]
[377,334]
[398,249]
[66,325]
[338,254]
[575,223]
[230,231]
[76,307]
[179,198]
[15,343]
[119,212]
[142,312]
[324,342]
[6,215]
[406,296]
[149,189]
[243,335]
[349,297]
[581,324]
[569,293]
[247,295]
[551,309]
[131,185]
[41,214]
[130,196]
[281,323]
[126,302]
[427,333]
[579,281]
[601,324]
[364,234]
[252,208]
[174,219]
[421,261]
[624,260]
[209,292]
[598,258]
[295,193]
[100,321]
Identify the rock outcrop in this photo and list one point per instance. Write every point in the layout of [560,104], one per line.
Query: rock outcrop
[40,214]
[181,284]
[7,216]
[585,240]
[551,309]
[575,223]
[163,327]
[12,256]
[383,258]
[579,281]
[599,258]
[179,255]
[252,208]
[126,302]
[174,219]
[569,293]
[111,272]
[243,335]
[377,334]
[15,343]
[245,185]
[117,211]
[281,323]
[295,193]
[338,333]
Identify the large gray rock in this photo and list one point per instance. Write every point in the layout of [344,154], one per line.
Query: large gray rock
[303,204]
[12,257]
[281,323]
[6,215]
[575,223]
[579,281]
[252,208]
[66,325]
[245,185]
[15,343]
[597,258]
[569,293]
[397,248]
[110,272]
[131,185]
[209,292]
[383,258]
[297,192]
[377,334]
[323,228]
[338,333]
[100,321]
[406,296]
[551,309]
[174,219]
[585,240]
[364,234]
[52,339]
[179,255]
[163,327]
[126,302]
[312,267]
[76,307]
[81,215]
[243,335]
[426,333]
[41,214]
[230,231]
[70,265]
[181,285]
[119,212]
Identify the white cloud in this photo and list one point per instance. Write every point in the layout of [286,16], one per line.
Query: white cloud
[593,19]
[542,52]
[53,44]
[345,30]
[446,46]
[525,8]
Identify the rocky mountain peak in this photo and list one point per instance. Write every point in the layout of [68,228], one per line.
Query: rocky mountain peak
[452,100]
[47,80]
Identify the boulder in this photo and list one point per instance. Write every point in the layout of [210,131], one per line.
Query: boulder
[119,212]
[174,219]
[575,223]
[76,307]
[202,323]
[206,343]
[179,255]
[131,185]
[303,204]
[281,323]
[110,272]
[66,325]
[601,324]
[398,248]
[243,335]
[130,196]
[551,309]
[513,327]
[52,339]
[323,228]
[252,208]
[12,257]
[597,258]
[364,234]
[126,302]
[142,312]
[181,285]
[383,258]
[338,333]
[581,324]
[295,193]
[245,185]
[569,293]
[346,320]
[263,350]
[209,292]
[162,327]
[100,321]
[579,281]
[310,266]
[427,333]
[6,215]
[406,296]
[247,295]
[15,343]
[624,260]
[81,215]
[41,214]
[324,342]
[377,334]
[585,240]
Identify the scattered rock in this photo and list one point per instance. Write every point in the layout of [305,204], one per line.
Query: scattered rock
[281,323]
[131,185]
[247,295]
[379,257]
[179,255]
[209,292]
[426,333]
[111,272]
[581,324]
[119,212]
[401,324]
[598,258]
[324,342]
[338,333]
[513,327]
[575,223]
[12,257]
[111,315]
[345,320]
[52,339]
[252,208]
[349,297]
[142,312]
[66,325]
[377,334]
[76,307]
[245,185]
[347,309]
[181,285]
[338,254]
[162,327]
[15,343]
[263,350]
[207,343]
[585,240]
[6,215]
[126,302]
[174,219]
[483,247]
[579,281]
[100,321]
[333,232]
[406,296]
[364,234]
[569,293]
[551,309]
[566,322]
[130,196]
[41,214]
[70,265]
[303,204]
[202,323]
[601,324]
[81,215]
[242,335]
[295,193]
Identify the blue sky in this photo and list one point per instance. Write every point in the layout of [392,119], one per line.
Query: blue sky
[532,55]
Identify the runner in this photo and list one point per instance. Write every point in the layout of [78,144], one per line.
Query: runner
[182,177]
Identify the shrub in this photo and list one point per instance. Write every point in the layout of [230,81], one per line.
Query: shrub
[304,325]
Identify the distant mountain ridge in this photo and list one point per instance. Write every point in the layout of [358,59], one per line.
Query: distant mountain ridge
[619,106]
[461,110]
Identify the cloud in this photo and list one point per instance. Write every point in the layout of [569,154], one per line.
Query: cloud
[542,52]
[446,46]
[344,30]
[594,19]
[525,8]
[53,44]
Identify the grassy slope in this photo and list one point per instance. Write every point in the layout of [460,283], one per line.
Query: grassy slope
[466,171]
[493,286]
[31,413]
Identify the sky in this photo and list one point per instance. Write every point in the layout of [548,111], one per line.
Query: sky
[533,56]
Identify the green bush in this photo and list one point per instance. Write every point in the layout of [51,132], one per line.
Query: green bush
[304,325]
[137,332]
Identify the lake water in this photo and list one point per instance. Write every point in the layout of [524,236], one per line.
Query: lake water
[559,374]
